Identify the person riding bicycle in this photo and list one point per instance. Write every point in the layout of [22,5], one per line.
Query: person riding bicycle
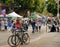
[18,24]
[20,27]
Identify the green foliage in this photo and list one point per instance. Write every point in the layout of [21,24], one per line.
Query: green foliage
[27,4]
[36,5]
[52,7]
[2,1]
[39,5]
[8,2]
[32,5]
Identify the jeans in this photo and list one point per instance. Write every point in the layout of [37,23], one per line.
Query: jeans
[37,28]
[33,27]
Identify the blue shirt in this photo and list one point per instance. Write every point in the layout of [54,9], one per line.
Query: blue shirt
[9,23]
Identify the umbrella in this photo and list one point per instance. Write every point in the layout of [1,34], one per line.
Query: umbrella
[33,16]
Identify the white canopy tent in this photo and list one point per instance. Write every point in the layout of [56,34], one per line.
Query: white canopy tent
[13,14]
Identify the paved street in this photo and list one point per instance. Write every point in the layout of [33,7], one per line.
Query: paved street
[38,39]
[40,17]
[47,40]
[4,35]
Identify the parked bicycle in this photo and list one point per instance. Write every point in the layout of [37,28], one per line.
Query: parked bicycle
[18,36]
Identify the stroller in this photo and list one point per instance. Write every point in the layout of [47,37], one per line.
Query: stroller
[53,28]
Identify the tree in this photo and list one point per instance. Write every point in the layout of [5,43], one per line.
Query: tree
[2,1]
[52,7]
[39,5]
[32,5]
[25,5]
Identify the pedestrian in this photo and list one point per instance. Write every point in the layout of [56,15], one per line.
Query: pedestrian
[9,25]
[33,25]
[53,28]
[43,22]
[57,21]
[5,24]
[29,21]
[36,25]
[39,24]
[49,23]
[13,25]
[2,25]
[26,25]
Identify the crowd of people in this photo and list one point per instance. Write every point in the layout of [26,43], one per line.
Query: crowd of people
[9,24]
[53,24]
[36,24]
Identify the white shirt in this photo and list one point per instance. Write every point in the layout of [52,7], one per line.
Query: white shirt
[2,23]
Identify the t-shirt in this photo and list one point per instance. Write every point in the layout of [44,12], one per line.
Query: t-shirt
[2,23]
[9,24]
[18,25]
[5,23]
[33,23]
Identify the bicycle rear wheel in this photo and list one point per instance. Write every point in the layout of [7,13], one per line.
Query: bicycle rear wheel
[26,38]
[15,40]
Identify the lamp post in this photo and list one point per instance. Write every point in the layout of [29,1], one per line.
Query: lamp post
[46,17]
[57,1]
[58,14]
[58,9]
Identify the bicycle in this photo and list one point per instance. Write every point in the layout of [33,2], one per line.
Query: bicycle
[19,36]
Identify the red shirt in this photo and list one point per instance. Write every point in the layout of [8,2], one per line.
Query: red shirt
[18,25]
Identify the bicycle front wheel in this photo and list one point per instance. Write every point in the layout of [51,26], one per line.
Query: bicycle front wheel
[10,41]
[26,38]
[13,40]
